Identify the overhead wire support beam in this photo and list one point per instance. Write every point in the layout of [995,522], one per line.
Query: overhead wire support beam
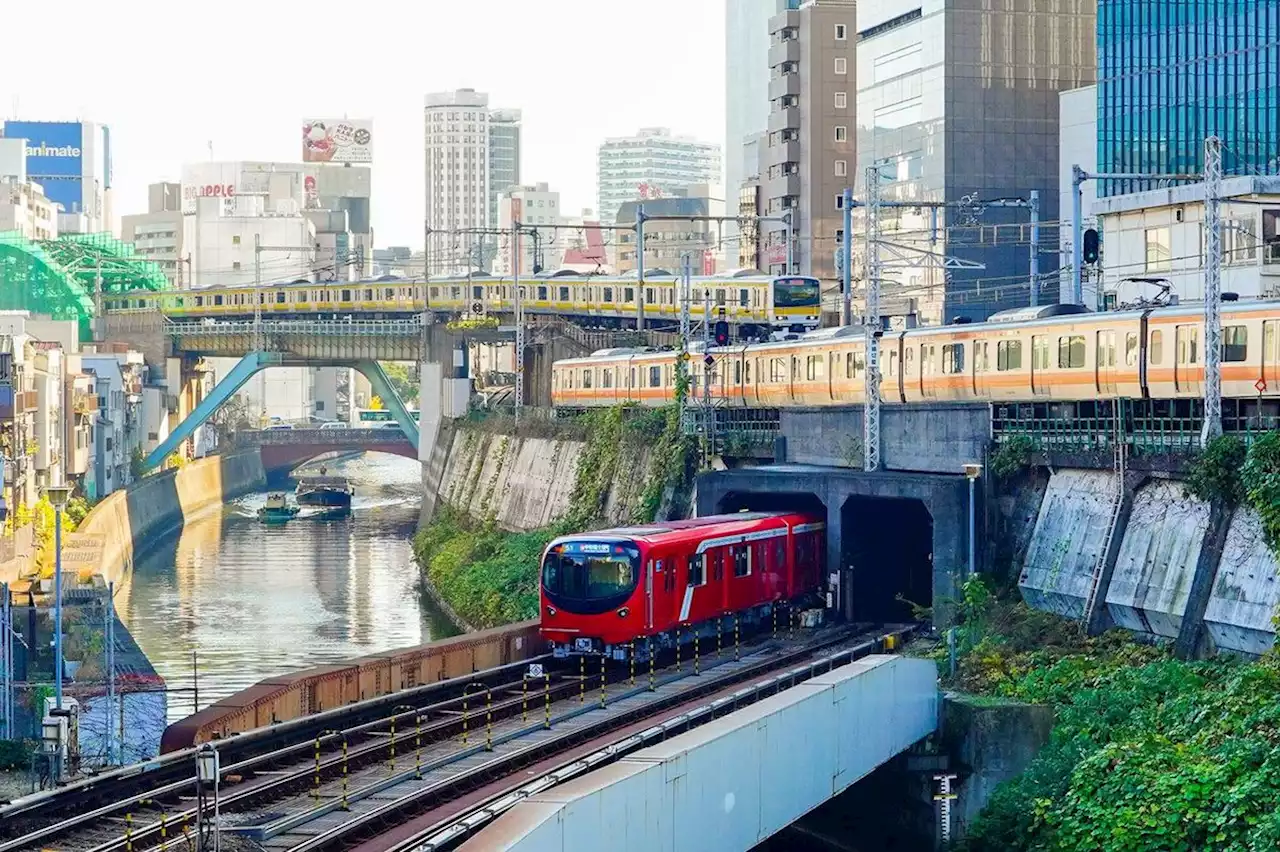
[871,327]
[1212,291]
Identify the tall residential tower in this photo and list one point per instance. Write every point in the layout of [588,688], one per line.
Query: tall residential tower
[652,164]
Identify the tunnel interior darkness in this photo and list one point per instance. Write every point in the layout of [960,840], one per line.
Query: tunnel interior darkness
[774,501]
[888,544]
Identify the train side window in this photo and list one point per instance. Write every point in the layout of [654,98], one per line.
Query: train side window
[746,372]
[1071,352]
[981,356]
[542,292]
[586,377]
[742,298]
[926,360]
[737,372]
[741,555]
[1155,347]
[279,298]
[1009,355]
[655,377]
[777,371]
[435,292]
[815,368]
[608,294]
[795,366]
[779,554]
[455,293]
[698,570]
[606,379]
[953,358]
[1235,343]
[893,363]
[564,295]
[1131,350]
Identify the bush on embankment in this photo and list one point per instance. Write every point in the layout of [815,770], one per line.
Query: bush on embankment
[1148,754]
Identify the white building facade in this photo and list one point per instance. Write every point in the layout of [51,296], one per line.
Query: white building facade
[651,164]
[25,209]
[537,209]
[157,235]
[1077,146]
[457,177]
[746,50]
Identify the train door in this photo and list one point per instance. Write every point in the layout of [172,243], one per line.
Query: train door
[1040,365]
[1186,358]
[928,360]
[979,367]
[1105,363]
[1271,355]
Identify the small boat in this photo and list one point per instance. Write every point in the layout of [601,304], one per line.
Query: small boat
[277,510]
[333,492]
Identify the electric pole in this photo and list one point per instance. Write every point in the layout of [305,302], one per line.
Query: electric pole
[1212,291]
[871,326]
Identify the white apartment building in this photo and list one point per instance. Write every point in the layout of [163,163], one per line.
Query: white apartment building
[457,177]
[1158,235]
[1077,146]
[535,207]
[25,209]
[651,164]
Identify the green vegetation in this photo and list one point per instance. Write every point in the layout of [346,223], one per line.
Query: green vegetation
[490,576]
[1011,457]
[398,375]
[16,754]
[1214,474]
[1260,479]
[1148,754]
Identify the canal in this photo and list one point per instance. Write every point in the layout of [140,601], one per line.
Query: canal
[229,601]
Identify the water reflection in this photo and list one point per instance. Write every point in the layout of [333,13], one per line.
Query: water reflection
[252,601]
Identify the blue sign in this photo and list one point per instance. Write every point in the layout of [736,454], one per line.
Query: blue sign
[55,158]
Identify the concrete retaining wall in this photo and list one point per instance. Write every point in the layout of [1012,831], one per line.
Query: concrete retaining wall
[916,438]
[525,483]
[1068,539]
[1157,561]
[161,502]
[1169,580]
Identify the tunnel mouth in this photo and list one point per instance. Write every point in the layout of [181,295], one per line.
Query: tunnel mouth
[887,548]
[772,501]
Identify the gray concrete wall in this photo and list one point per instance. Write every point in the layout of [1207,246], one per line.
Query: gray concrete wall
[917,438]
[1071,526]
[1247,591]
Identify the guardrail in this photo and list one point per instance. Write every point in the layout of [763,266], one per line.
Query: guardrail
[340,437]
[322,328]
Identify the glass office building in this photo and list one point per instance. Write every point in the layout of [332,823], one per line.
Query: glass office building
[1171,74]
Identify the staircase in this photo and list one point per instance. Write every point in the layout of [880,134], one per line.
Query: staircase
[1119,449]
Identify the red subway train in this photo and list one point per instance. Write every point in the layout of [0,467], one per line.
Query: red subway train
[633,590]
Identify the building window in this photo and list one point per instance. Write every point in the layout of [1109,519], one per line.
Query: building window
[842,168]
[842,100]
[842,32]
[235,240]
[840,202]
[842,133]
[1159,249]
[842,65]
[235,266]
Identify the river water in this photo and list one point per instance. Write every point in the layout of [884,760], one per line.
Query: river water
[229,601]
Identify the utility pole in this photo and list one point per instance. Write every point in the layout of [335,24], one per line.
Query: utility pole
[686,329]
[640,267]
[871,325]
[787,218]
[1212,291]
[846,250]
[1035,248]
[708,415]
[519,304]
[257,296]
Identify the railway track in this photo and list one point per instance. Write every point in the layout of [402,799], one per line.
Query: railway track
[348,784]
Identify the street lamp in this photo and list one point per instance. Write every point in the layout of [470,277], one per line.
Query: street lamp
[972,472]
[57,495]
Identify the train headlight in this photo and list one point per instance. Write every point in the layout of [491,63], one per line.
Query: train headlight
[551,610]
[624,612]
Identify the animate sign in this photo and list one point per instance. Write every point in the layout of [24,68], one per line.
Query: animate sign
[209,190]
[44,149]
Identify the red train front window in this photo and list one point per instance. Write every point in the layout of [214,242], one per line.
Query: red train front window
[590,577]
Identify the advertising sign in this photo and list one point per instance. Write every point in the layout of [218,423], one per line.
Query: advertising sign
[209,180]
[55,158]
[337,140]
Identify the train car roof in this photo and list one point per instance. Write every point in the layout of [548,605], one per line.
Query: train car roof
[666,531]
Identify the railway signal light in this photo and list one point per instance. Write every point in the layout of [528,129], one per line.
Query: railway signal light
[1091,246]
[722,333]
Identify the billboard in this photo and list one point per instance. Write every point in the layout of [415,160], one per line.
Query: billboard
[55,158]
[337,140]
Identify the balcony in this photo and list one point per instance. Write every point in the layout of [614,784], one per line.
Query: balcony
[784,119]
[787,84]
[85,404]
[782,186]
[786,51]
[784,152]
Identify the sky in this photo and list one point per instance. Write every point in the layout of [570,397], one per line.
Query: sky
[171,77]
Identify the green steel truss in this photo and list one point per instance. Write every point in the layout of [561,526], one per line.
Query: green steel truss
[57,277]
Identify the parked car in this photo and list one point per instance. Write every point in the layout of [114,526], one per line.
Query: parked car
[333,424]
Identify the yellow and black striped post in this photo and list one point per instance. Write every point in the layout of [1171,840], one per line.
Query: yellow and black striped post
[524,697]
[631,652]
[346,805]
[737,638]
[392,757]
[678,648]
[488,719]
[582,679]
[128,831]
[546,702]
[164,828]
[775,619]
[653,661]
[602,664]
[464,717]
[793,622]
[697,651]
[315,780]
[719,634]
[417,745]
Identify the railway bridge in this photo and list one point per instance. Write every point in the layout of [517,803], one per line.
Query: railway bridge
[284,449]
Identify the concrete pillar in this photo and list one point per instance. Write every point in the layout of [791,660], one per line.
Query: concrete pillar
[1100,620]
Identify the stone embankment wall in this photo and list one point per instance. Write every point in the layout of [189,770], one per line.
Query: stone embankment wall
[1178,569]
[523,483]
[161,502]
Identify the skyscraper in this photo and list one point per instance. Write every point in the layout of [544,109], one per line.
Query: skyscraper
[472,156]
[1172,74]
[746,52]
[504,156]
[960,104]
[652,164]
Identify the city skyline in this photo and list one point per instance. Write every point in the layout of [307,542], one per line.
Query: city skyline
[227,104]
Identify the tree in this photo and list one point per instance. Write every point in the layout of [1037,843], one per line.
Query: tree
[398,375]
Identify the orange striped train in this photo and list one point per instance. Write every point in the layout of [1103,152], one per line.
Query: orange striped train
[1053,353]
